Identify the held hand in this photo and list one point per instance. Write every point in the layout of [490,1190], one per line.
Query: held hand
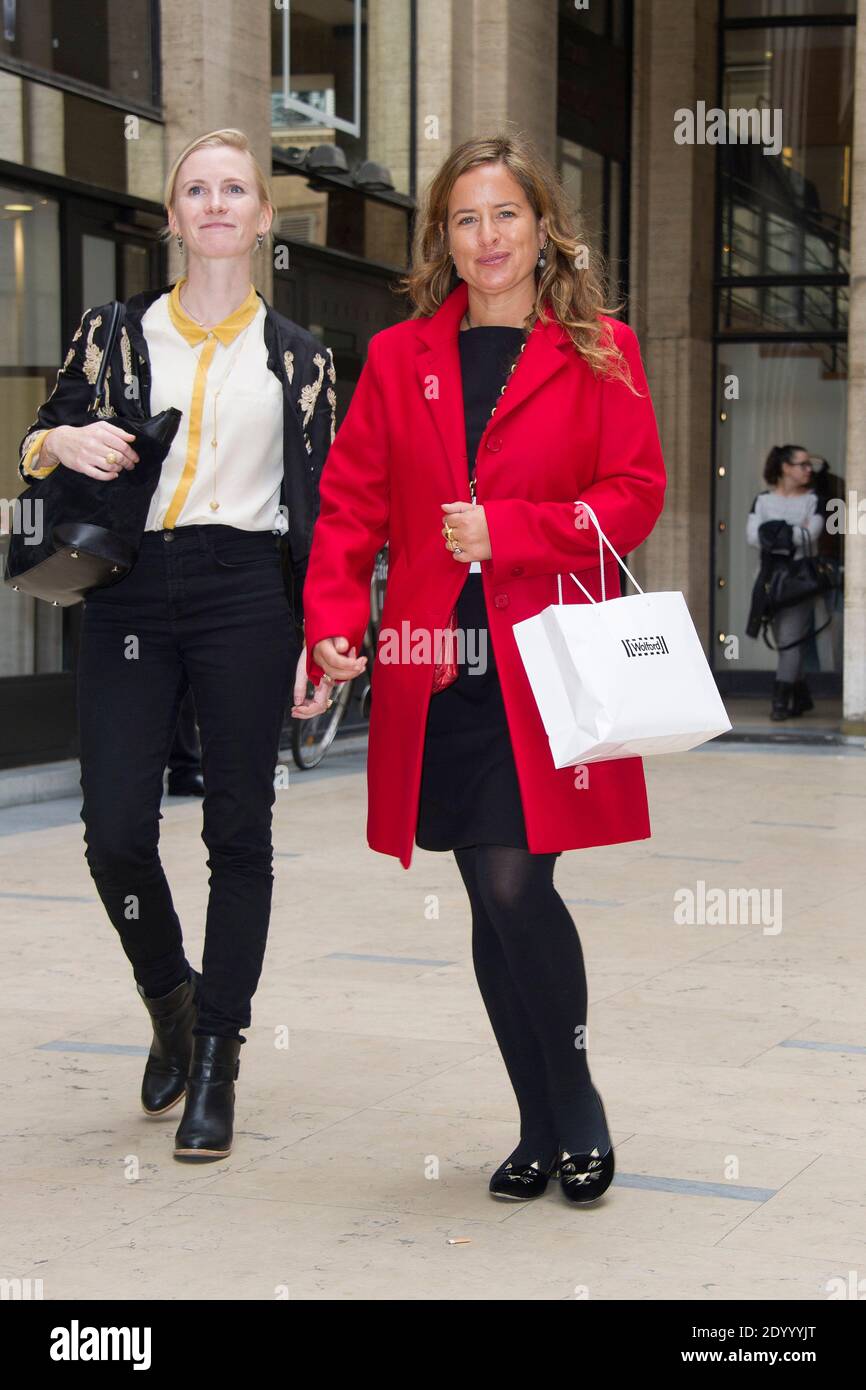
[86,449]
[318,703]
[304,708]
[469,539]
[326,654]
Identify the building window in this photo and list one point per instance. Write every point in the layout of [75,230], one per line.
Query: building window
[341,75]
[593,126]
[786,215]
[782,264]
[787,9]
[342,169]
[30,353]
[54,130]
[110,50]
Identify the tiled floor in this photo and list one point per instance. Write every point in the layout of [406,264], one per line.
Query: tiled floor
[731,1057]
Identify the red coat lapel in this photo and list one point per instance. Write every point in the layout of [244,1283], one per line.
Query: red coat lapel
[438,367]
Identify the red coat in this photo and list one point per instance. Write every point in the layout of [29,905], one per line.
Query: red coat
[558,434]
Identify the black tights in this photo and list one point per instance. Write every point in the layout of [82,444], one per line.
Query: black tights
[529,966]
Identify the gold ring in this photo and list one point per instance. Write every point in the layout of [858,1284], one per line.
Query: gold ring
[111,457]
[448,532]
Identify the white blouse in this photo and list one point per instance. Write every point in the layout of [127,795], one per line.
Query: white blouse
[197,370]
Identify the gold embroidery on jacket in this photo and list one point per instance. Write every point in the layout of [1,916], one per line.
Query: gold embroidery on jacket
[126,354]
[288,363]
[331,394]
[69,356]
[309,396]
[92,353]
[92,349]
[310,392]
[106,408]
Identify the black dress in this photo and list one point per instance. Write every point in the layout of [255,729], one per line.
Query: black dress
[469,789]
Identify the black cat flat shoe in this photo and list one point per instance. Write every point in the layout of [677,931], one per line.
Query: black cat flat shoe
[585,1177]
[520,1182]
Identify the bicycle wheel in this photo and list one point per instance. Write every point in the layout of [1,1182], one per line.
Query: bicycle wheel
[378,584]
[311,738]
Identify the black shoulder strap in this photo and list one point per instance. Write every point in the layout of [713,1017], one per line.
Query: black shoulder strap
[813,632]
[117,316]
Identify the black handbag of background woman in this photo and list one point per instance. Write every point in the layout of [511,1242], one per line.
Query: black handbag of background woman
[88,530]
[784,581]
[794,581]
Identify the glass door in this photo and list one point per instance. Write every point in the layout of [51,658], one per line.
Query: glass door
[58,256]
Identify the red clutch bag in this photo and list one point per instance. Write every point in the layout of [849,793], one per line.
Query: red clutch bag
[445,668]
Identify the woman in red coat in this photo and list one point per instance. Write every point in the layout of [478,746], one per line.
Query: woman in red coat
[475,427]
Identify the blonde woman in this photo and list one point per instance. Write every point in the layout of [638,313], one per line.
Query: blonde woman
[475,427]
[209,605]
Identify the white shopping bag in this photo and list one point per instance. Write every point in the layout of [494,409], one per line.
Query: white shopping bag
[622,678]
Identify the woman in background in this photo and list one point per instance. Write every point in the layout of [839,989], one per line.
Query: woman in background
[790,497]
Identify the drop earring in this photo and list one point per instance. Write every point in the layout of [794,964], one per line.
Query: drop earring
[259,239]
[180,243]
[542,259]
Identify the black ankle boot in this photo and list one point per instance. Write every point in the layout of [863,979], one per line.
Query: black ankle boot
[174,1017]
[781,694]
[801,699]
[205,1132]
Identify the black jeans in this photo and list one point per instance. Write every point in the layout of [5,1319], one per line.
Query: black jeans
[203,607]
[185,755]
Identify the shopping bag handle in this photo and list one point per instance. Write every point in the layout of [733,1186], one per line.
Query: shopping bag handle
[601,537]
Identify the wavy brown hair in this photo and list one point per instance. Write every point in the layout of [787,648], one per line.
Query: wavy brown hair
[573,291]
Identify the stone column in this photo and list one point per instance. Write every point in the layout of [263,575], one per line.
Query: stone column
[484,65]
[854,652]
[671,280]
[216,64]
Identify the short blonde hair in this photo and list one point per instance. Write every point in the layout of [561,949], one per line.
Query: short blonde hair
[238,141]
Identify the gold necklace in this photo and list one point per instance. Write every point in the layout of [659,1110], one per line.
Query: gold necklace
[501,394]
[192,315]
[214,504]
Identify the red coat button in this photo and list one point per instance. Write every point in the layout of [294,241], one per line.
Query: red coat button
[518,569]
[494,444]
[500,600]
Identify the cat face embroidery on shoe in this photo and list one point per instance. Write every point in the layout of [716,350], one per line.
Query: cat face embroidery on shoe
[581,1169]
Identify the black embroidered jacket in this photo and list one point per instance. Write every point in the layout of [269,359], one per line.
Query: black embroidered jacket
[306,372]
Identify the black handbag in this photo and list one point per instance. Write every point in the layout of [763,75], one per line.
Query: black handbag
[794,581]
[89,529]
[784,581]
